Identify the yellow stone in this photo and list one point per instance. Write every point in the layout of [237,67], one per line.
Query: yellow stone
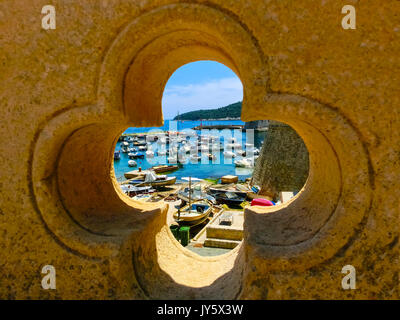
[67,94]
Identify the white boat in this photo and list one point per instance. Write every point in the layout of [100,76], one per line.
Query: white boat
[244,163]
[229,154]
[234,146]
[217,147]
[162,152]
[195,158]
[154,180]
[132,163]
[142,148]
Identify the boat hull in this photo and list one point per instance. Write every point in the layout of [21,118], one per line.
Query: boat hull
[193,220]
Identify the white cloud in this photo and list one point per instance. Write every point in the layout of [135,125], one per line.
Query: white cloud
[209,95]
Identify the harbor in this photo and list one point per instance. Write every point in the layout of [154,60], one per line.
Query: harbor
[204,178]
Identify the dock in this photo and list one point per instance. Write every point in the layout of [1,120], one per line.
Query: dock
[216,234]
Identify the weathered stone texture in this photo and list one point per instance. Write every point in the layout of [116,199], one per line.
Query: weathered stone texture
[67,94]
[283,161]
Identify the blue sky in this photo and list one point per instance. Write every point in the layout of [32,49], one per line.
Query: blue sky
[200,85]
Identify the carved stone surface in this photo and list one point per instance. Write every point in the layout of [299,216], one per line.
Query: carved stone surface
[67,94]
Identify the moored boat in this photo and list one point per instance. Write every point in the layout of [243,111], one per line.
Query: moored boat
[164,168]
[151,179]
[231,199]
[135,155]
[132,163]
[244,163]
[193,213]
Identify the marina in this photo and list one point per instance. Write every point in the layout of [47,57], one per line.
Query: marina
[203,175]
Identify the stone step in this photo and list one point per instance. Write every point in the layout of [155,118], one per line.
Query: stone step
[221,243]
[224,232]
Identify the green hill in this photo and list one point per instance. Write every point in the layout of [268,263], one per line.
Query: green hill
[231,111]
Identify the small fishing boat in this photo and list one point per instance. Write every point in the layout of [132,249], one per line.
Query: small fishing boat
[240,189]
[117,155]
[164,168]
[167,181]
[229,154]
[232,199]
[244,163]
[135,155]
[161,152]
[132,163]
[193,213]
[154,180]
[139,143]
[132,191]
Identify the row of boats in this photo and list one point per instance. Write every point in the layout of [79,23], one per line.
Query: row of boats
[198,200]
[178,150]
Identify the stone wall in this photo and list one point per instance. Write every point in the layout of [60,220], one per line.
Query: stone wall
[283,161]
[258,124]
[66,95]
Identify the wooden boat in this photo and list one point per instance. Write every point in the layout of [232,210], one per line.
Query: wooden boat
[160,181]
[164,168]
[240,190]
[132,191]
[194,213]
[231,199]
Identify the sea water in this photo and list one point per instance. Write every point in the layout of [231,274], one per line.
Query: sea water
[204,168]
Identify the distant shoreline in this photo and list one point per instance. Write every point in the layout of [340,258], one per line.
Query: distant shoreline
[220,119]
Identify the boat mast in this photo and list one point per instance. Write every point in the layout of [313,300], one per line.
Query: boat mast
[190,192]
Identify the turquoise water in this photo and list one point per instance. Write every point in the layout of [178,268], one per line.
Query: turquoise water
[204,168]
